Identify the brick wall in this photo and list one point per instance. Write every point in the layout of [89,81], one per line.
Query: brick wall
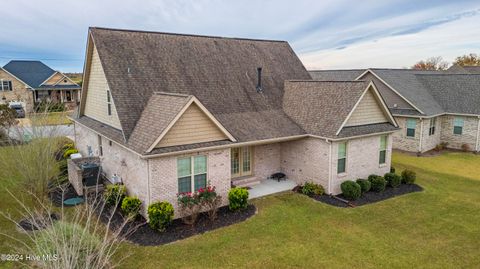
[163,176]
[306,160]
[402,141]
[362,160]
[266,160]
[469,135]
[20,93]
[116,160]
[429,142]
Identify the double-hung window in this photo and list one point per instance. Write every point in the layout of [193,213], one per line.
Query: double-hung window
[109,103]
[458,125]
[383,149]
[411,126]
[191,173]
[342,158]
[433,123]
[6,85]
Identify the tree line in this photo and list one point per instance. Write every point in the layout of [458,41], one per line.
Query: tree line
[437,63]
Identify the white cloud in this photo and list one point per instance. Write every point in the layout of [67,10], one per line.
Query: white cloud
[447,40]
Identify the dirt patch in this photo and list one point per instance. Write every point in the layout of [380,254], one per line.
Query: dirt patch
[369,197]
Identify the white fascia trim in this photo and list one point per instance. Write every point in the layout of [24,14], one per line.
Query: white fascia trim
[390,87]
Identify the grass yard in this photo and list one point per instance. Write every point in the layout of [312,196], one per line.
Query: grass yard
[51,118]
[437,228]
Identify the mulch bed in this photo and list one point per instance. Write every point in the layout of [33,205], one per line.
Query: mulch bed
[369,197]
[56,194]
[139,232]
[38,224]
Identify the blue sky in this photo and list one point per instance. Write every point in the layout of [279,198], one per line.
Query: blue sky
[325,34]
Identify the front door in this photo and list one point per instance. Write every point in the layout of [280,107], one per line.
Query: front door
[242,160]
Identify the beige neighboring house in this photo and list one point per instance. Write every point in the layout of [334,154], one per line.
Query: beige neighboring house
[30,82]
[431,107]
[168,113]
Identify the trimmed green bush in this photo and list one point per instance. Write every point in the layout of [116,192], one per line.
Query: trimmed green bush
[131,206]
[351,190]
[310,188]
[160,215]
[378,184]
[365,185]
[392,169]
[371,177]
[237,199]
[393,180]
[114,194]
[408,176]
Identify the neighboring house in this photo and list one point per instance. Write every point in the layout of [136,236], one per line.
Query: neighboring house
[168,113]
[431,107]
[30,82]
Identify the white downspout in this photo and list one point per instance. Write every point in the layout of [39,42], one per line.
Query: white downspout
[421,135]
[329,167]
[477,146]
[148,182]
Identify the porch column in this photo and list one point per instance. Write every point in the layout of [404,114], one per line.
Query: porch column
[61,96]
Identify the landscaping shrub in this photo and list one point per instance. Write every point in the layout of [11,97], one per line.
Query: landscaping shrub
[237,198]
[371,177]
[210,201]
[69,152]
[190,206]
[365,185]
[351,190]
[378,183]
[408,176]
[131,206]
[160,215]
[114,194]
[392,169]
[310,188]
[393,180]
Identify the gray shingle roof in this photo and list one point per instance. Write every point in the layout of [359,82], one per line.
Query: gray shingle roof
[406,83]
[366,129]
[456,93]
[220,72]
[321,107]
[457,69]
[336,75]
[31,72]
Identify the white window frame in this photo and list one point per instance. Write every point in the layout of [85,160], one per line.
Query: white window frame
[9,85]
[433,126]
[346,158]
[192,171]
[109,103]
[383,150]
[462,119]
[414,129]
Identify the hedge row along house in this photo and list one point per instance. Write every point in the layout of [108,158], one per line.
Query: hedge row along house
[431,107]
[31,82]
[170,113]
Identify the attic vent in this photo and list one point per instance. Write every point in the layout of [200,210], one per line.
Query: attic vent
[259,80]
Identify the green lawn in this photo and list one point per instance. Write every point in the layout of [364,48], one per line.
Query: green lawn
[437,228]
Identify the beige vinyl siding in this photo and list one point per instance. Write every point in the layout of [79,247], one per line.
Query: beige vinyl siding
[53,79]
[96,95]
[194,126]
[368,111]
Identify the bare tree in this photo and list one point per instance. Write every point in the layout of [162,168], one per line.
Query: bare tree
[433,63]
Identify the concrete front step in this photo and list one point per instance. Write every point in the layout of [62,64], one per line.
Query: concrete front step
[245,182]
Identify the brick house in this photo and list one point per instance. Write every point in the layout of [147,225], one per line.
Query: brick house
[30,82]
[168,113]
[430,107]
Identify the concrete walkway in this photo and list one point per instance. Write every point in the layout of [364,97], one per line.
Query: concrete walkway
[270,186]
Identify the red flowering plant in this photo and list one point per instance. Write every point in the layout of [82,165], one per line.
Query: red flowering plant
[190,207]
[210,201]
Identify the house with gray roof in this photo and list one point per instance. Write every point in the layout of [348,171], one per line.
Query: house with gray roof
[431,107]
[30,82]
[170,113]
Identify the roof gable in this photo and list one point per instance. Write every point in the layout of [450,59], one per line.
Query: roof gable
[33,73]
[220,72]
[367,111]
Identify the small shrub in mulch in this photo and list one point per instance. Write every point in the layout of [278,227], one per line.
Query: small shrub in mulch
[393,180]
[310,188]
[237,198]
[378,184]
[139,232]
[370,197]
[365,185]
[408,176]
[351,190]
